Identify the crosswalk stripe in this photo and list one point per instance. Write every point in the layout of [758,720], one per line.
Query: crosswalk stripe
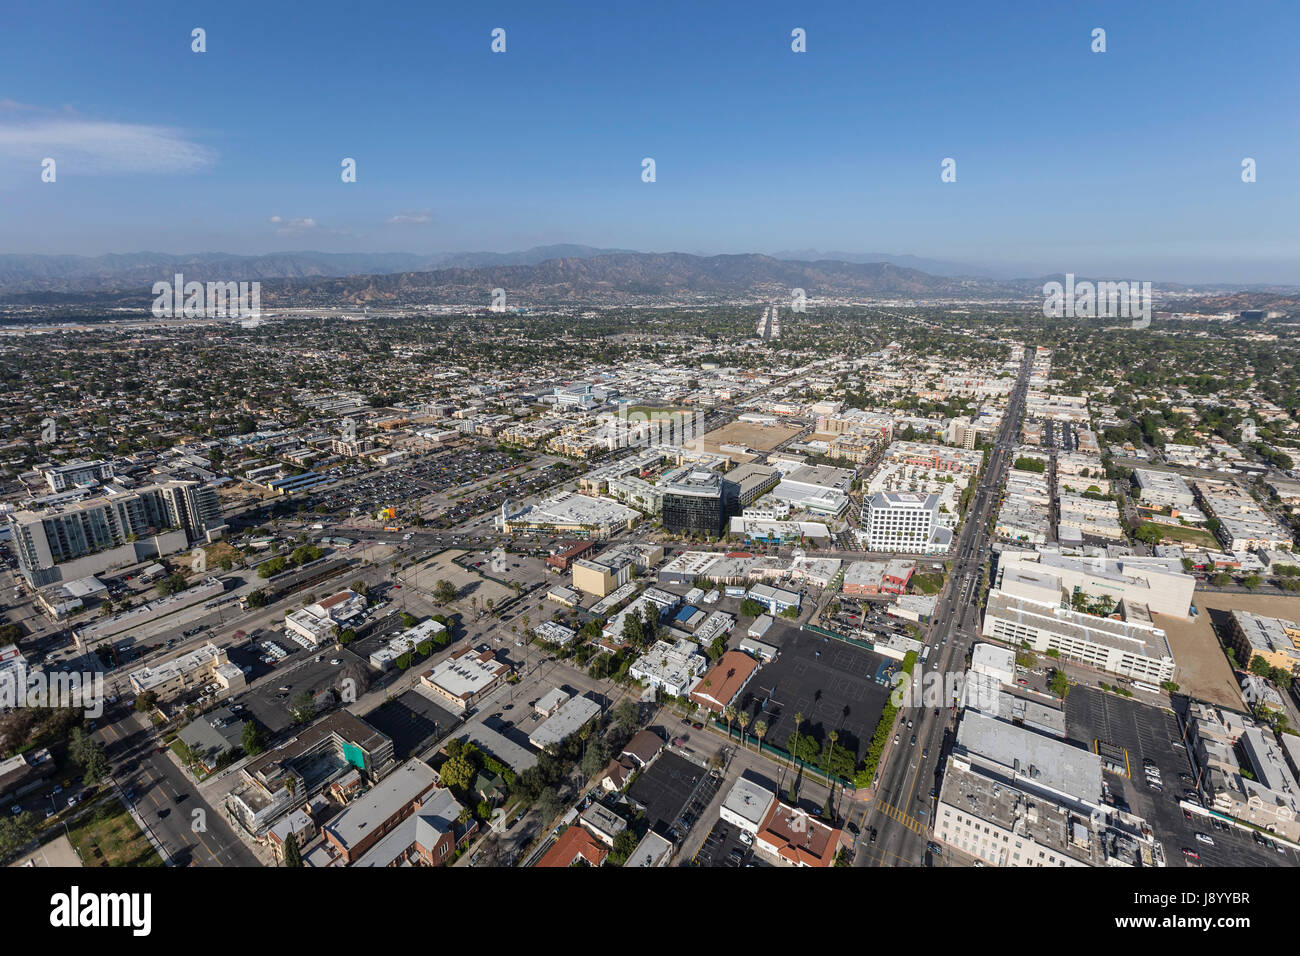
[908,821]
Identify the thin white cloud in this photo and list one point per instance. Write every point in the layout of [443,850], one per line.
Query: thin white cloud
[94,147]
[293,227]
[418,218]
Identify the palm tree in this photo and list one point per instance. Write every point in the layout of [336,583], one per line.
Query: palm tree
[798,719]
[760,731]
[583,733]
[730,713]
[743,719]
[833,736]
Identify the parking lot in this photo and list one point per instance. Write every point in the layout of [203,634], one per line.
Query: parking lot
[831,683]
[723,847]
[404,485]
[520,486]
[413,721]
[674,792]
[864,615]
[270,702]
[1145,733]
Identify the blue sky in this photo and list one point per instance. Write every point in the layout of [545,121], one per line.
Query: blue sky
[1067,160]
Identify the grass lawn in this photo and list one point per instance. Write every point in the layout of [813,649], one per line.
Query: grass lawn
[1176,534]
[220,549]
[107,836]
[927,583]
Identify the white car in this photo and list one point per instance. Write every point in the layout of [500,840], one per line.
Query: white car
[746,838]
[1205,838]
[335,661]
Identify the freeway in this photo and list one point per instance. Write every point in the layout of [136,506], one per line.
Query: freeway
[900,807]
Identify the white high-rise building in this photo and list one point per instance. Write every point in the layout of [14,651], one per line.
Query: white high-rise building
[904,522]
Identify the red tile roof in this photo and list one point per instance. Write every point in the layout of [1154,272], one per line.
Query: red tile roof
[798,837]
[723,681]
[573,843]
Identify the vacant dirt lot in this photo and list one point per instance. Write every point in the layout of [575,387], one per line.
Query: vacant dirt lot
[1203,670]
[762,437]
[427,576]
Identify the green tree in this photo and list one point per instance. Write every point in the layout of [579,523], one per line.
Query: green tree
[292,856]
[89,754]
[16,831]
[624,844]
[172,584]
[625,716]
[252,738]
[633,629]
[458,772]
[303,708]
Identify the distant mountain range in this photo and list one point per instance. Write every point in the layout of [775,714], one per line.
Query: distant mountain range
[636,278]
[125,271]
[935,267]
[543,276]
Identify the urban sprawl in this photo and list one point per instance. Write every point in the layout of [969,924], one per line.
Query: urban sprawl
[725,585]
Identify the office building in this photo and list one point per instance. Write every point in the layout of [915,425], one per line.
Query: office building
[1130,648]
[464,677]
[695,503]
[1013,797]
[904,522]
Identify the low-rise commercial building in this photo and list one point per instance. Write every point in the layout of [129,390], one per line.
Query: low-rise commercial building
[747,805]
[465,676]
[189,671]
[789,836]
[317,622]
[723,683]
[567,720]
[1013,797]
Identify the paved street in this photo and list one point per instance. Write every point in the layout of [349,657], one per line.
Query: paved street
[899,806]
